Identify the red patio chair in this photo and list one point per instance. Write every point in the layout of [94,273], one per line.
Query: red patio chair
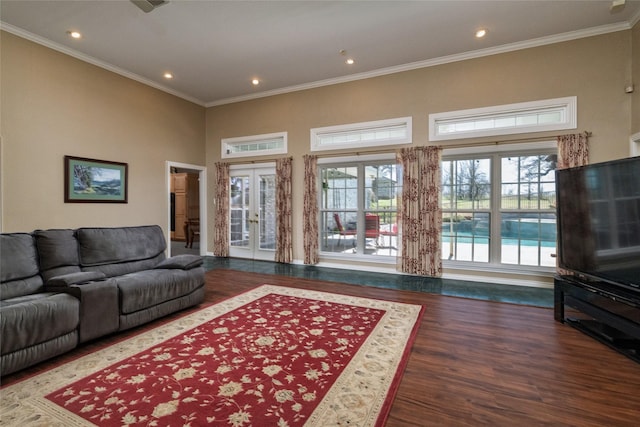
[341,230]
[371,227]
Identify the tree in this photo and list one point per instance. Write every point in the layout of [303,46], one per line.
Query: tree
[533,168]
[472,182]
[83,176]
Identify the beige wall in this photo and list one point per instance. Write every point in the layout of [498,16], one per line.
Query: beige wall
[54,105]
[635,110]
[594,69]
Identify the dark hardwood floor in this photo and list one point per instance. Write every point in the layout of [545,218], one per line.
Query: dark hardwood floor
[473,362]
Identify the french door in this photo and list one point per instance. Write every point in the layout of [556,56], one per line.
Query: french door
[252,206]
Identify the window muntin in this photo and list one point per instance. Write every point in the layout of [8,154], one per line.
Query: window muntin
[255,145]
[528,220]
[502,121]
[528,239]
[525,117]
[358,208]
[239,211]
[466,209]
[267,212]
[528,182]
[365,134]
[499,209]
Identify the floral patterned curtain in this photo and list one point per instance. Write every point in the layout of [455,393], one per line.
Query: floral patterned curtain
[420,214]
[573,150]
[310,210]
[221,220]
[284,239]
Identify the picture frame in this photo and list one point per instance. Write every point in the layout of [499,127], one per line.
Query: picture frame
[95,181]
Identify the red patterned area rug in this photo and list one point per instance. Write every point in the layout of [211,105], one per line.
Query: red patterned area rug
[273,356]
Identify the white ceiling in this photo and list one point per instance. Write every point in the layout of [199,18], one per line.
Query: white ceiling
[215,48]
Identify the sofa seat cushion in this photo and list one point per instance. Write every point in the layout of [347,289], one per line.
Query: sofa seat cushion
[33,319]
[145,289]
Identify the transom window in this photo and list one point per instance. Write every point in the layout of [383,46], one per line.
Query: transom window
[366,134]
[255,145]
[536,116]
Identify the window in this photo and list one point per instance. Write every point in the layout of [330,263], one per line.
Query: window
[466,209]
[358,207]
[256,145]
[498,206]
[528,219]
[499,209]
[537,116]
[358,135]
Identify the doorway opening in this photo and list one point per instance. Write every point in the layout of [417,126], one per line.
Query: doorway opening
[187,209]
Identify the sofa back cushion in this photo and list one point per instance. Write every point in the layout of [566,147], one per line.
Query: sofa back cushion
[122,250]
[58,252]
[18,266]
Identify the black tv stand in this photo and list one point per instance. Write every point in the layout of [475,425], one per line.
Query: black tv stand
[608,313]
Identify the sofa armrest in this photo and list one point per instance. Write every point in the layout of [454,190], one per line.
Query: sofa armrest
[181,262]
[99,310]
[67,280]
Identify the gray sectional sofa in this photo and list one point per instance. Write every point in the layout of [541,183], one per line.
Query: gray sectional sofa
[60,288]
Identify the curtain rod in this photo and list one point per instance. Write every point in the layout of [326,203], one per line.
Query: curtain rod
[512,141]
[459,145]
[393,151]
[244,162]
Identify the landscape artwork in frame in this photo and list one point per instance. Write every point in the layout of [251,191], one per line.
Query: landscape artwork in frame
[94,181]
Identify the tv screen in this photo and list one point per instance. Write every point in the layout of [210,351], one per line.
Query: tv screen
[598,209]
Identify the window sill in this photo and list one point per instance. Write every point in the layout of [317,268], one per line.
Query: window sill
[541,277]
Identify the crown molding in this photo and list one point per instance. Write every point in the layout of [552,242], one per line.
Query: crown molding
[542,41]
[91,60]
[634,19]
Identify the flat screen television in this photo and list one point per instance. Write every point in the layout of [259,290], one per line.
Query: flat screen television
[598,214]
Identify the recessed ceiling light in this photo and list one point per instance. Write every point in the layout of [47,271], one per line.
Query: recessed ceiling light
[168,75]
[255,82]
[481,33]
[74,34]
[350,61]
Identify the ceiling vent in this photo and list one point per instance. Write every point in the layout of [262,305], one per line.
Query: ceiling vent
[148,5]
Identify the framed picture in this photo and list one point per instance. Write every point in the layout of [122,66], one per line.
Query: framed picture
[94,181]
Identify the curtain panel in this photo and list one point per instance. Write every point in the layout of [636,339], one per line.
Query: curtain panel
[573,151]
[310,210]
[221,220]
[284,228]
[420,213]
